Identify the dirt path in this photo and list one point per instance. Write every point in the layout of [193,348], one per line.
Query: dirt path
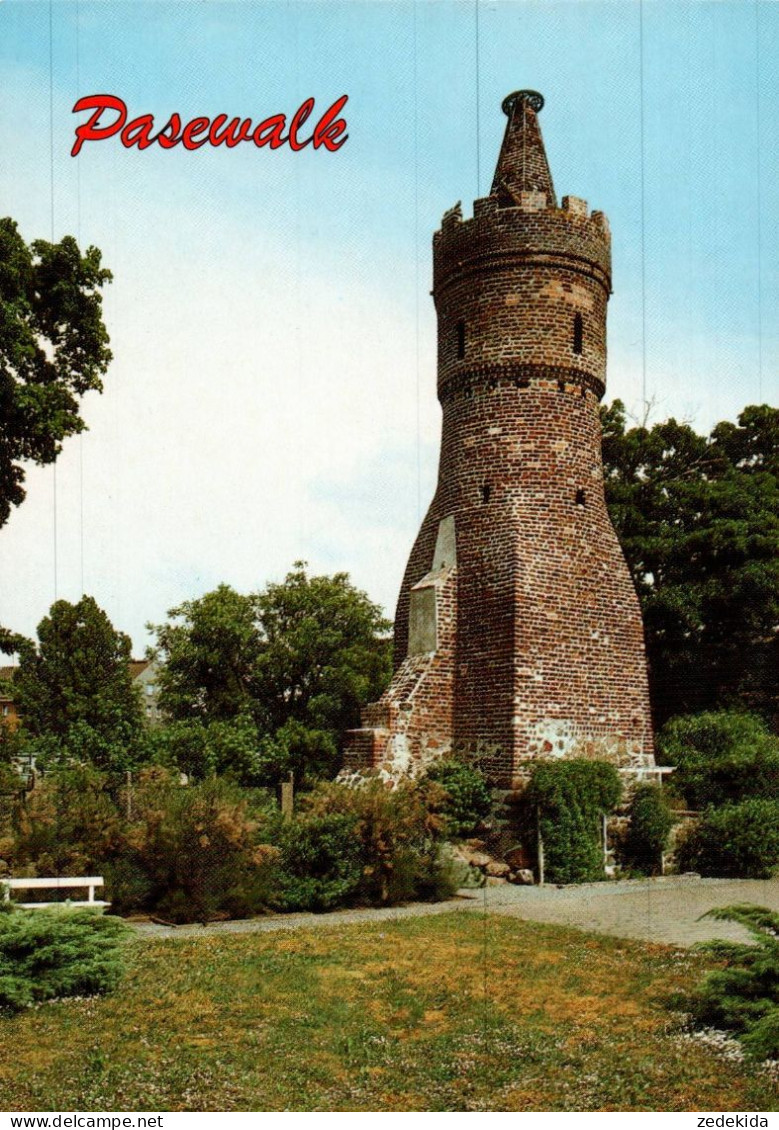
[658,910]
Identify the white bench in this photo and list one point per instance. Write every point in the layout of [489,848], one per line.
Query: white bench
[90,882]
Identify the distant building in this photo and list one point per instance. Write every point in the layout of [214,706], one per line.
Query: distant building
[145,675]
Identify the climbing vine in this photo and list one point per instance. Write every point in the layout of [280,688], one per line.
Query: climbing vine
[564,802]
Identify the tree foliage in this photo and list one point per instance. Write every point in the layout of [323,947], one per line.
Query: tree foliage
[298,660]
[74,688]
[205,749]
[209,648]
[698,520]
[321,654]
[721,756]
[53,349]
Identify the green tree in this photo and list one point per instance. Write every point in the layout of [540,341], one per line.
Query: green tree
[322,653]
[53,349]
[74,688]
[206,749]
[298,749]
[209,651]
[298,659]
[698,519]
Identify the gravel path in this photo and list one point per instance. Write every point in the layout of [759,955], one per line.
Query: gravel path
[657,910]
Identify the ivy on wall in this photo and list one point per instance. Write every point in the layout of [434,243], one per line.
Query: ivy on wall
[564,802]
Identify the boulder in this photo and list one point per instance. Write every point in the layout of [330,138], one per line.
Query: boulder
[497,869]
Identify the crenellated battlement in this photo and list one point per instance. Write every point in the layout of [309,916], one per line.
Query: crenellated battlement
[512,283]
[525,231]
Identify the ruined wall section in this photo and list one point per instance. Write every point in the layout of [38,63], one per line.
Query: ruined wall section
[412,723]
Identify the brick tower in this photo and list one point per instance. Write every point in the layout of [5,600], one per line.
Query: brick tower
[518,632]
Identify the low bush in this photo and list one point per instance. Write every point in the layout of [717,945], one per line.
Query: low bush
[194,852]
[564,801]
[468,799]
[398,833]
[215,848]
[646,838]
[68,825]
[739,841]
[743,998]
[57,953]
[321,865]
[721,757]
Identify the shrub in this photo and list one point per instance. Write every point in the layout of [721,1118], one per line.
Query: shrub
[569,798]
[743,998]
[739,841]
[651,821]
[321,865]
[200,847]
[54,953]
[468,796]
[397,832]
[721,756]
[68,825]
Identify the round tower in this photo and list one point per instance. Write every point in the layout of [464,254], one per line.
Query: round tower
[518,632]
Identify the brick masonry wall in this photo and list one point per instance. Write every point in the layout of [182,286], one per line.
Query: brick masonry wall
[546,657]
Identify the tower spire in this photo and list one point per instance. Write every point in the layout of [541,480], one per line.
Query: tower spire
[522,164]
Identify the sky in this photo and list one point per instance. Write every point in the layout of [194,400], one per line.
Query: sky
[272,393]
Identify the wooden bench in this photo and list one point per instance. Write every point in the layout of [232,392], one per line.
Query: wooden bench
[90,883]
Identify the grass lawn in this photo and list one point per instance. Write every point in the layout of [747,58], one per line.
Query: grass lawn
[386,1016]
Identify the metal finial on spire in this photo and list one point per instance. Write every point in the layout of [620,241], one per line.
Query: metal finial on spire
[531,97]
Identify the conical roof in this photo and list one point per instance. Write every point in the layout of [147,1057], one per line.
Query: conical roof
[522,164]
